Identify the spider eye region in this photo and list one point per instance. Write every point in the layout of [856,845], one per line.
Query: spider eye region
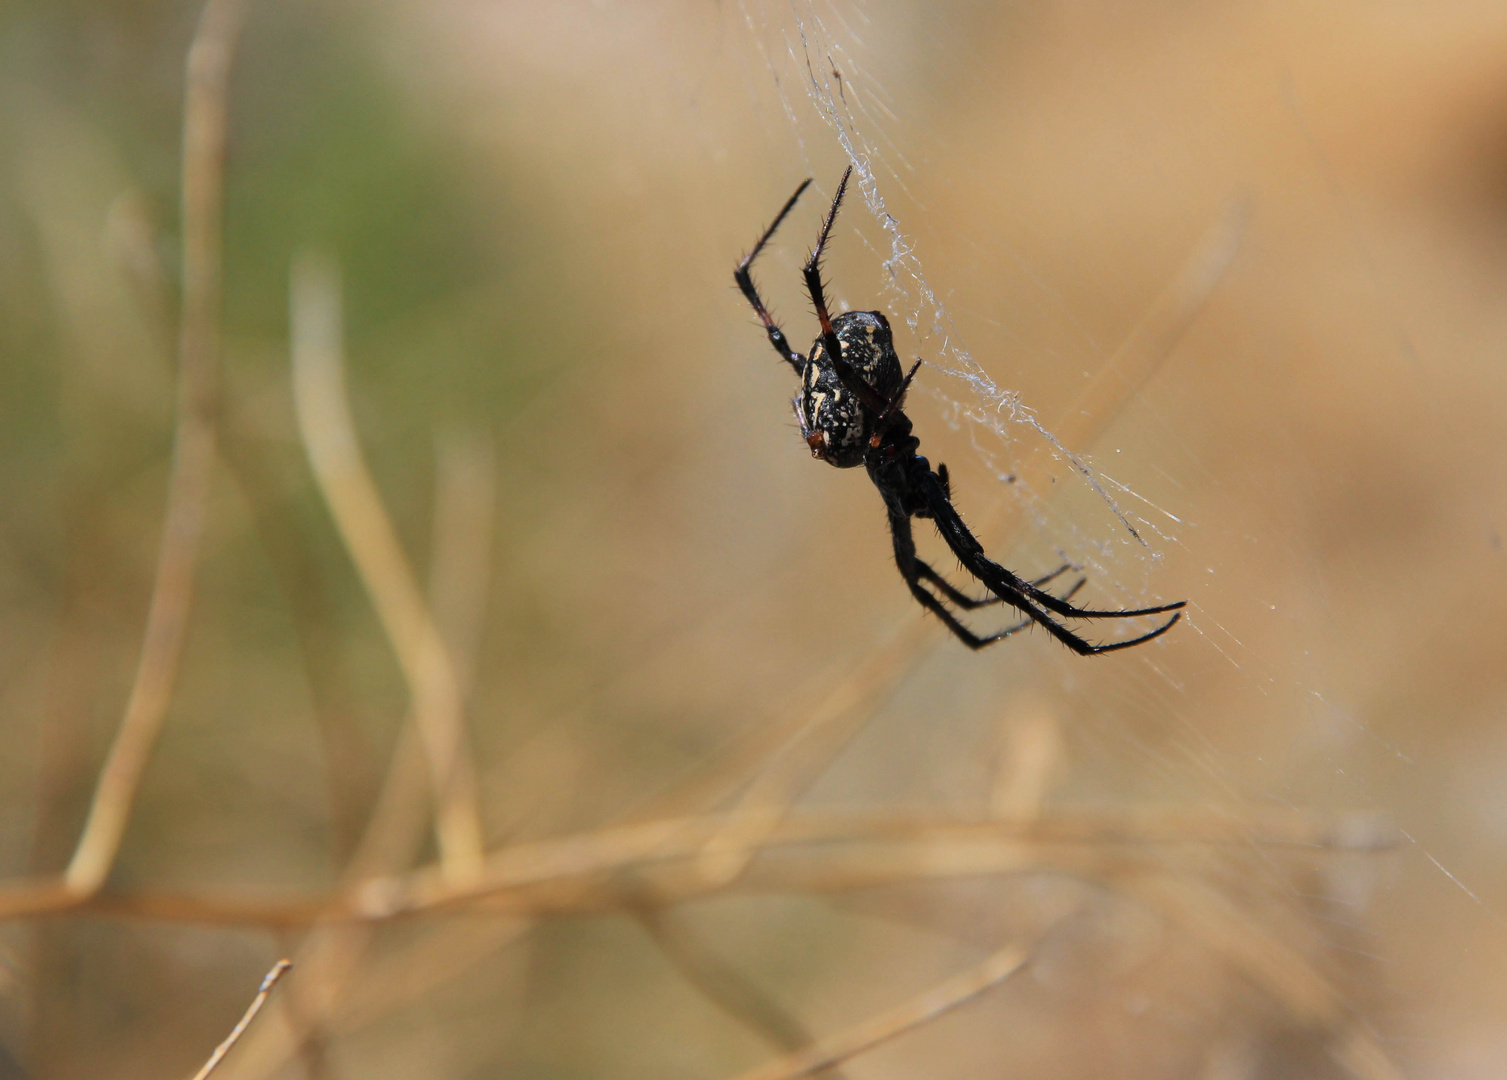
[834,422]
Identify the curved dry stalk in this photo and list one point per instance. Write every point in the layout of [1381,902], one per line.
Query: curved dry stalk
[722,984]
[329,437]
[204,127]
[268,982]
[919,1010]
[330,957]
[617,868]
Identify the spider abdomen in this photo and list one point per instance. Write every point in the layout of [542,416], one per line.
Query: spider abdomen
[835,423]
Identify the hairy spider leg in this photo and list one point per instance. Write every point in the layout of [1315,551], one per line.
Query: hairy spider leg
[1019,593]
[970,549]
[911,570]
[813,274]
[1016,627]
[1045,579]
[882,423]
[969,603]
[744,277]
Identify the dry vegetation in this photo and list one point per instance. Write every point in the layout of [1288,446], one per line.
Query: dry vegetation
[408,571]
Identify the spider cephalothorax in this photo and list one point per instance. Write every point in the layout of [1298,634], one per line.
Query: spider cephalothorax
[850,412]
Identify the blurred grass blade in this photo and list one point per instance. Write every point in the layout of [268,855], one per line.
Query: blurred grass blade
[329,437]
[922,1009]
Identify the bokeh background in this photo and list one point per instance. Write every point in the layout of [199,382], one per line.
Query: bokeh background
[536,209]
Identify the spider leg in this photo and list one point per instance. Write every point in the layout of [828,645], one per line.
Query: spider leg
[969,603]
[911,570]
[974,641]
[813,272]
[1016,627]
[882,423]
[1052,603]
[1021,594]
[833,348]
[947,589]
[744,277]
[1046,579]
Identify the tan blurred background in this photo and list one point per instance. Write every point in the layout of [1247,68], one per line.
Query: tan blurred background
[1278,831]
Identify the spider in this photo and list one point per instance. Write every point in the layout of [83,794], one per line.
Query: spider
[849,410]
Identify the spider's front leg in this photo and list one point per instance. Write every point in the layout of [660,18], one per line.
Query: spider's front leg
[743,275]
[813,275]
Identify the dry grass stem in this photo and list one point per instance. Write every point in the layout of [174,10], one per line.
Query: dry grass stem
[268,982]
[617,868]
[922,1009]
[204,132]
[329,437]
[721,983]
[807,752]
[839,852]
[330,957]
[1030,754]
[465,475]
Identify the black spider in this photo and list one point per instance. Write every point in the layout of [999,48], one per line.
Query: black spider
[849,408]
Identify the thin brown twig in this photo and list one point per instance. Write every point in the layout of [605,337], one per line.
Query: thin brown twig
[247,450]
[919,1010]
[329,437]
[827,850]
[204,130]
[820,737]
[268,982]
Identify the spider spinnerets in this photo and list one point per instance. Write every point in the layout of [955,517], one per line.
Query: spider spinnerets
[849,410]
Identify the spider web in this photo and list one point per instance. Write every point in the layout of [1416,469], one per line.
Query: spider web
[827,64]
